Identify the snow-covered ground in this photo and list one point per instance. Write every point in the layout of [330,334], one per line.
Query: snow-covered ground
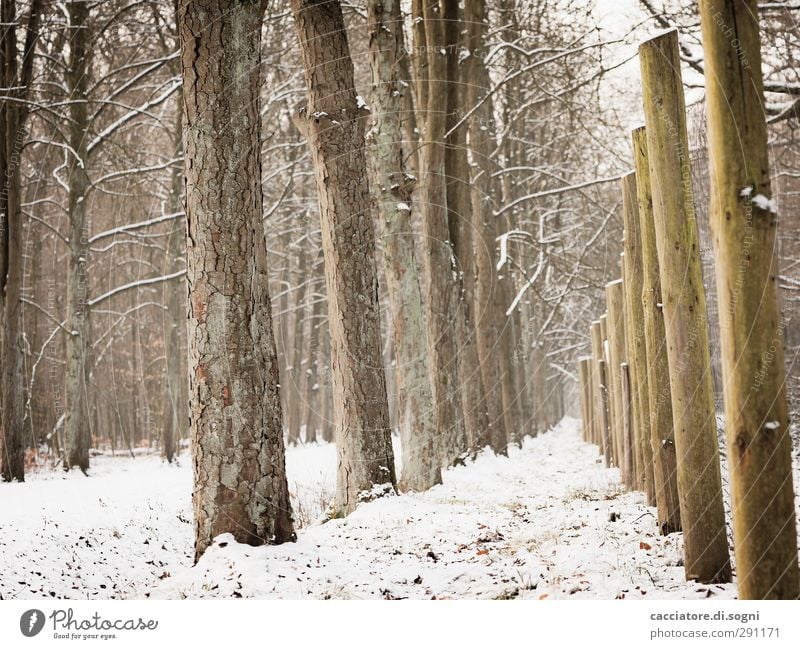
[549,521]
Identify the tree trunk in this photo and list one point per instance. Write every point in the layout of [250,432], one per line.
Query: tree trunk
[239,466]
[488,320]
[392,186]
[659,402]
[77,431]
[744,221]
[313,375]
[175,408]
[293,381]
[699,482]
[441,299]
[12,138]
[459,217]
[335,134]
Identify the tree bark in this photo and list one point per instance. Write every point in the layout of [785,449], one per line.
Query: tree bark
[236,427]
[77,430]
[699,481]
[335,134]
[659,401]
[744,221]
[15,74]
[176,385]
[488,320]
[459,217]
[392,186]
[439,265]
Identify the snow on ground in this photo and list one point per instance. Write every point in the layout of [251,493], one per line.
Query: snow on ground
[128,526]
[549,521]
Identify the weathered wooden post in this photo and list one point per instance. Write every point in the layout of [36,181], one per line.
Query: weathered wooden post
[636,351]
[744,222]
[627,422]
[592,408]
[614,439]
[617,355]
[659,406]
[599,381]
[583,386]
[699,483]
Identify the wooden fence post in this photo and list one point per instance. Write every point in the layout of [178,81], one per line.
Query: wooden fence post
[699,482]
[617,356]
[659,408]
[598,380]
[636,352]
[744,221]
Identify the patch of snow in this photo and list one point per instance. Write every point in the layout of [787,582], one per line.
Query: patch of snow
[764,203]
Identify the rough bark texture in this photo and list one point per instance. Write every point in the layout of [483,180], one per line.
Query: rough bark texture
[335,135]
[459,217]
[744,223]
[392,186]
[488,320]
[15,75]
[77,432]
[440,297]
[239,467]
[699,482]
[659,401]
[637,350]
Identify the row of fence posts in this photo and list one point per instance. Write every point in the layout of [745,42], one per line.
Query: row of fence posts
[646,388]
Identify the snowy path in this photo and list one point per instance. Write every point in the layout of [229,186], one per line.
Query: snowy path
[549,521]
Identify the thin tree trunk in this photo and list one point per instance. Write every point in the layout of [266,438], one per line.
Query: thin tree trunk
[439,268]
[16,77]
[77,431]
[175,408]
[392,186]
[459,217]
[239,466]
[699,481]
[335,132]
[744,221]
[488,321]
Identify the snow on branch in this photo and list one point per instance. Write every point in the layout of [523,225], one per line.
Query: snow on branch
[557,191]
[136,226]
[136,284]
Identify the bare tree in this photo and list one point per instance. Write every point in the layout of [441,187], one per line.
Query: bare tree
[333,125]
[236,423]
